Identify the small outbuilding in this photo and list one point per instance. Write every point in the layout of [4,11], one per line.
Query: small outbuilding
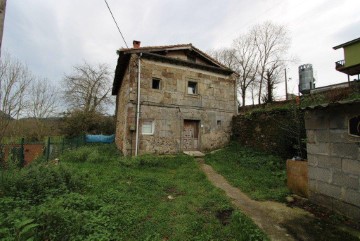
[333,147]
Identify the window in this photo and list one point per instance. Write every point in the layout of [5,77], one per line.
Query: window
[218,122]
[192,88]
[354,126]
[156,84]
[147,127]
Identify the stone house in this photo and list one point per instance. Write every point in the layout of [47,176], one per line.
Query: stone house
[171,99]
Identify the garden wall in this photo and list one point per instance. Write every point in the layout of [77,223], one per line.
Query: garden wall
[277,131]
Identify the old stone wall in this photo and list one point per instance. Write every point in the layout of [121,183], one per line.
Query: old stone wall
[125,110]
[214,91]
[213,105]
[167,137]
[276,131]
[334,158]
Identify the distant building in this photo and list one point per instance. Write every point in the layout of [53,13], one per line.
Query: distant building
[351,63]
[2,19]
[306,78]
[187,100]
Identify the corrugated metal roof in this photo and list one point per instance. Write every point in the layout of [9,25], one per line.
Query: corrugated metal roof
[326,105]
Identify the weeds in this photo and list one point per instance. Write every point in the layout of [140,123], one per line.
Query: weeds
[261,176]
[92,153]
[95,194]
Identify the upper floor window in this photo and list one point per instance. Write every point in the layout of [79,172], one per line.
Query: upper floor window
[156,84]
[192,88]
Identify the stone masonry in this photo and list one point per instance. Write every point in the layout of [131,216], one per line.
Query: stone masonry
[213,106]
[334,158]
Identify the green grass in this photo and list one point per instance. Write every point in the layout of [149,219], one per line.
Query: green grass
[261,176]
[103,196]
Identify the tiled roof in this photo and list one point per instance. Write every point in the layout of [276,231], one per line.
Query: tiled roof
[172,47]
[154,48]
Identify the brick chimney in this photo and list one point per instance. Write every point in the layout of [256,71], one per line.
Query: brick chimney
[136,44]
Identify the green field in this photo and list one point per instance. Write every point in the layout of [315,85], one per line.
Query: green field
[95,194]
[260,175]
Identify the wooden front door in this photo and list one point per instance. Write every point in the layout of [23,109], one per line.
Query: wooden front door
[191,135]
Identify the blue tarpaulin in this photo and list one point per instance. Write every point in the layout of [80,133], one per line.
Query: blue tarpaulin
[100,138]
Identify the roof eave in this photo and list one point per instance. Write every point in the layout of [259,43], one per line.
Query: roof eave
[346,44]
[221,70]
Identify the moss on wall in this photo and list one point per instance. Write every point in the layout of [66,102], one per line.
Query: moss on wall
[276,131]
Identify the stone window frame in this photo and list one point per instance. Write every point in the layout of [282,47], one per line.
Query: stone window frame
[196,87]
[150,123]
[160,83]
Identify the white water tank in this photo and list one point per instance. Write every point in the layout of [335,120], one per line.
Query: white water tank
[306,78]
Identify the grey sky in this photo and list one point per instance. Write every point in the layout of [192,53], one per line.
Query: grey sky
[52,36]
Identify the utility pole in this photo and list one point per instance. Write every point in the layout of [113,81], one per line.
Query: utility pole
[286,92]
[2,19]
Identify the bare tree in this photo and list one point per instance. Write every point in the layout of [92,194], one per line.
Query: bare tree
[247,63]
[43,102]
[14,82]
[88,87]
[272,42]
[225,56]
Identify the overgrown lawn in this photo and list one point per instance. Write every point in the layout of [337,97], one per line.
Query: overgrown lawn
[260,175]
[94,194]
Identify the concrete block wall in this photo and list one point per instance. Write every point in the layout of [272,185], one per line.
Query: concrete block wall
[334,159]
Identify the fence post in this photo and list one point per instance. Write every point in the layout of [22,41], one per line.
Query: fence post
[48,149]
[22,155]
[63,145]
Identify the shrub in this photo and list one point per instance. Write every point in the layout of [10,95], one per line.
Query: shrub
[37,182]
[92,153]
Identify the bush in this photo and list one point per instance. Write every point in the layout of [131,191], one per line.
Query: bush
[79,122]
[92,153]
[35,183]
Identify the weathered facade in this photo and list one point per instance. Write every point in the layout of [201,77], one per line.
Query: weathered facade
[187,100]
[333,146]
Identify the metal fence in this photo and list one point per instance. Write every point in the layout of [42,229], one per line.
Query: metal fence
[21,152]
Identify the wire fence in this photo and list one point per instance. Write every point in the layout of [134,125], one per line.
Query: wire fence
[20,152]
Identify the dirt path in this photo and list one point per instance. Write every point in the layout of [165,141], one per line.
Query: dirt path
[276,219]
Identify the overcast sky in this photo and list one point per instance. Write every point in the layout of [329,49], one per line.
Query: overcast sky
[52,36]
